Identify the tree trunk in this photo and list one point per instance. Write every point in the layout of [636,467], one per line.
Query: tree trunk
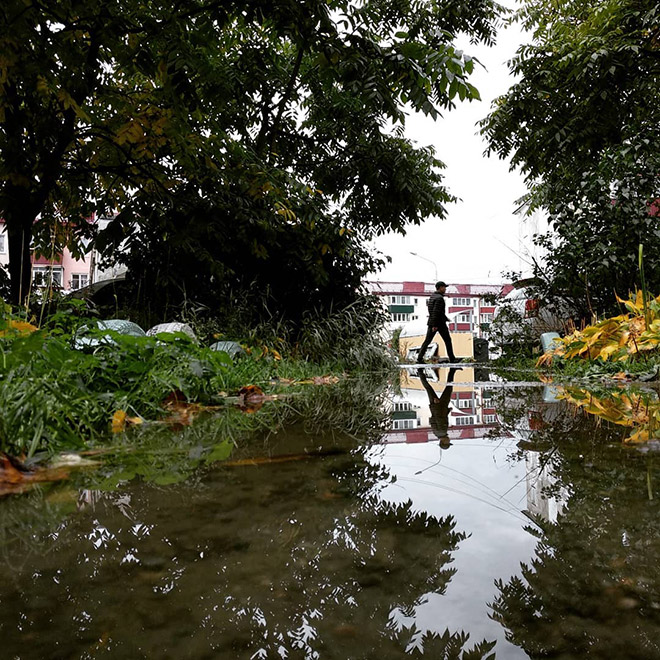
[19,235]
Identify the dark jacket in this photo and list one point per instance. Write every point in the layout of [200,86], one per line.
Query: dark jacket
[436,306]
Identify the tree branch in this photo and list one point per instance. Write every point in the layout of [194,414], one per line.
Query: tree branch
[284,101]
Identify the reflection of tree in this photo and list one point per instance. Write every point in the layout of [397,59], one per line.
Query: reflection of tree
[300,559]
[592,589]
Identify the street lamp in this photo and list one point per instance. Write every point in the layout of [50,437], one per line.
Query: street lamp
[414,254]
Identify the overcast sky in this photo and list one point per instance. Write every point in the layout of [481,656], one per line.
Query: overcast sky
[480,238]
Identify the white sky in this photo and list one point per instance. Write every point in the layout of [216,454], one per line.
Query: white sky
[479,239]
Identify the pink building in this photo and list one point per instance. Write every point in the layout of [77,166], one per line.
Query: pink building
[65,272]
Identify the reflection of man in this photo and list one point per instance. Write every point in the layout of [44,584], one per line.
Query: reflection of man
[439,406]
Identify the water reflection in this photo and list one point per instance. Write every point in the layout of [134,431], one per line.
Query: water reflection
[270,560]
[638,409]
[435,400]
[583,577]
[529,530]
[591,588]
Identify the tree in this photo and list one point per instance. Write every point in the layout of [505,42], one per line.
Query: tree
[108,105]
[581,124]
[81,123]
[278,114]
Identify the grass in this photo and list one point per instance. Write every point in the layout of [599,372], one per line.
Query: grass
[55,397]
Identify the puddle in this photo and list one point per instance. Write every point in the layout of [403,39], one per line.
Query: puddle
[472,517]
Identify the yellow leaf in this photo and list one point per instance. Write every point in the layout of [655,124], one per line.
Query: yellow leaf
[607,351]
[642,435]
[42,85]
[18,328]
[118,421]
[545,359]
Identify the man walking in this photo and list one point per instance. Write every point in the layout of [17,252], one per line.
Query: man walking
[437,323]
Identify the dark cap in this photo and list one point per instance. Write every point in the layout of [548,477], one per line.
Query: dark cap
[439,284]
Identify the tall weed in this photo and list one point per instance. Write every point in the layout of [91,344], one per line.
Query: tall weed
[352,337]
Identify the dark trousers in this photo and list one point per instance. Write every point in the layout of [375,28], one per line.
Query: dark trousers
[443,331]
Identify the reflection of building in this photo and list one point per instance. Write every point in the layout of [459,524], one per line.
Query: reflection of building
[542,501]
[544,498]
[469,306]
[471,412]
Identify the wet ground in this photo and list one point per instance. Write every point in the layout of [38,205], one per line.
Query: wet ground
[475,517]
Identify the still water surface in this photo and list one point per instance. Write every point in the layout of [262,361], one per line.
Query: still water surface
[486,520]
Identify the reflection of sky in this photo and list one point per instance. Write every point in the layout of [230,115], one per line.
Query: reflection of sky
[485,492]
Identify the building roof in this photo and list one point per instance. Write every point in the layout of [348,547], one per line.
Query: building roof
[425,434]
[426,289]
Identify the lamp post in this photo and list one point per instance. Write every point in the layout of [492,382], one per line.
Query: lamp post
[435,268]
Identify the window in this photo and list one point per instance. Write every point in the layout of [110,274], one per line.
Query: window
[465,403]
[406,406]
[486,318]
[490,419]
[463,318]
[47,275]
[400,300]
[416,300]
[400,317]
[402,424]
[461,302]
[464,421]
[79,280]
[3,247]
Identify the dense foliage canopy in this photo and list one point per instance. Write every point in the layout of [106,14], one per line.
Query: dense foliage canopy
[582,123]
[244,143]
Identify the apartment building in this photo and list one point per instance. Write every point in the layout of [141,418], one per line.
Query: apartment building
[65,272]
[470,307]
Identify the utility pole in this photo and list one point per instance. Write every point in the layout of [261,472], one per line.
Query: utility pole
[435,268]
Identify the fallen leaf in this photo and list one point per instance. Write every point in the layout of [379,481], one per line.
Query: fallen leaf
[15,477]
[174,397]
[250,399]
